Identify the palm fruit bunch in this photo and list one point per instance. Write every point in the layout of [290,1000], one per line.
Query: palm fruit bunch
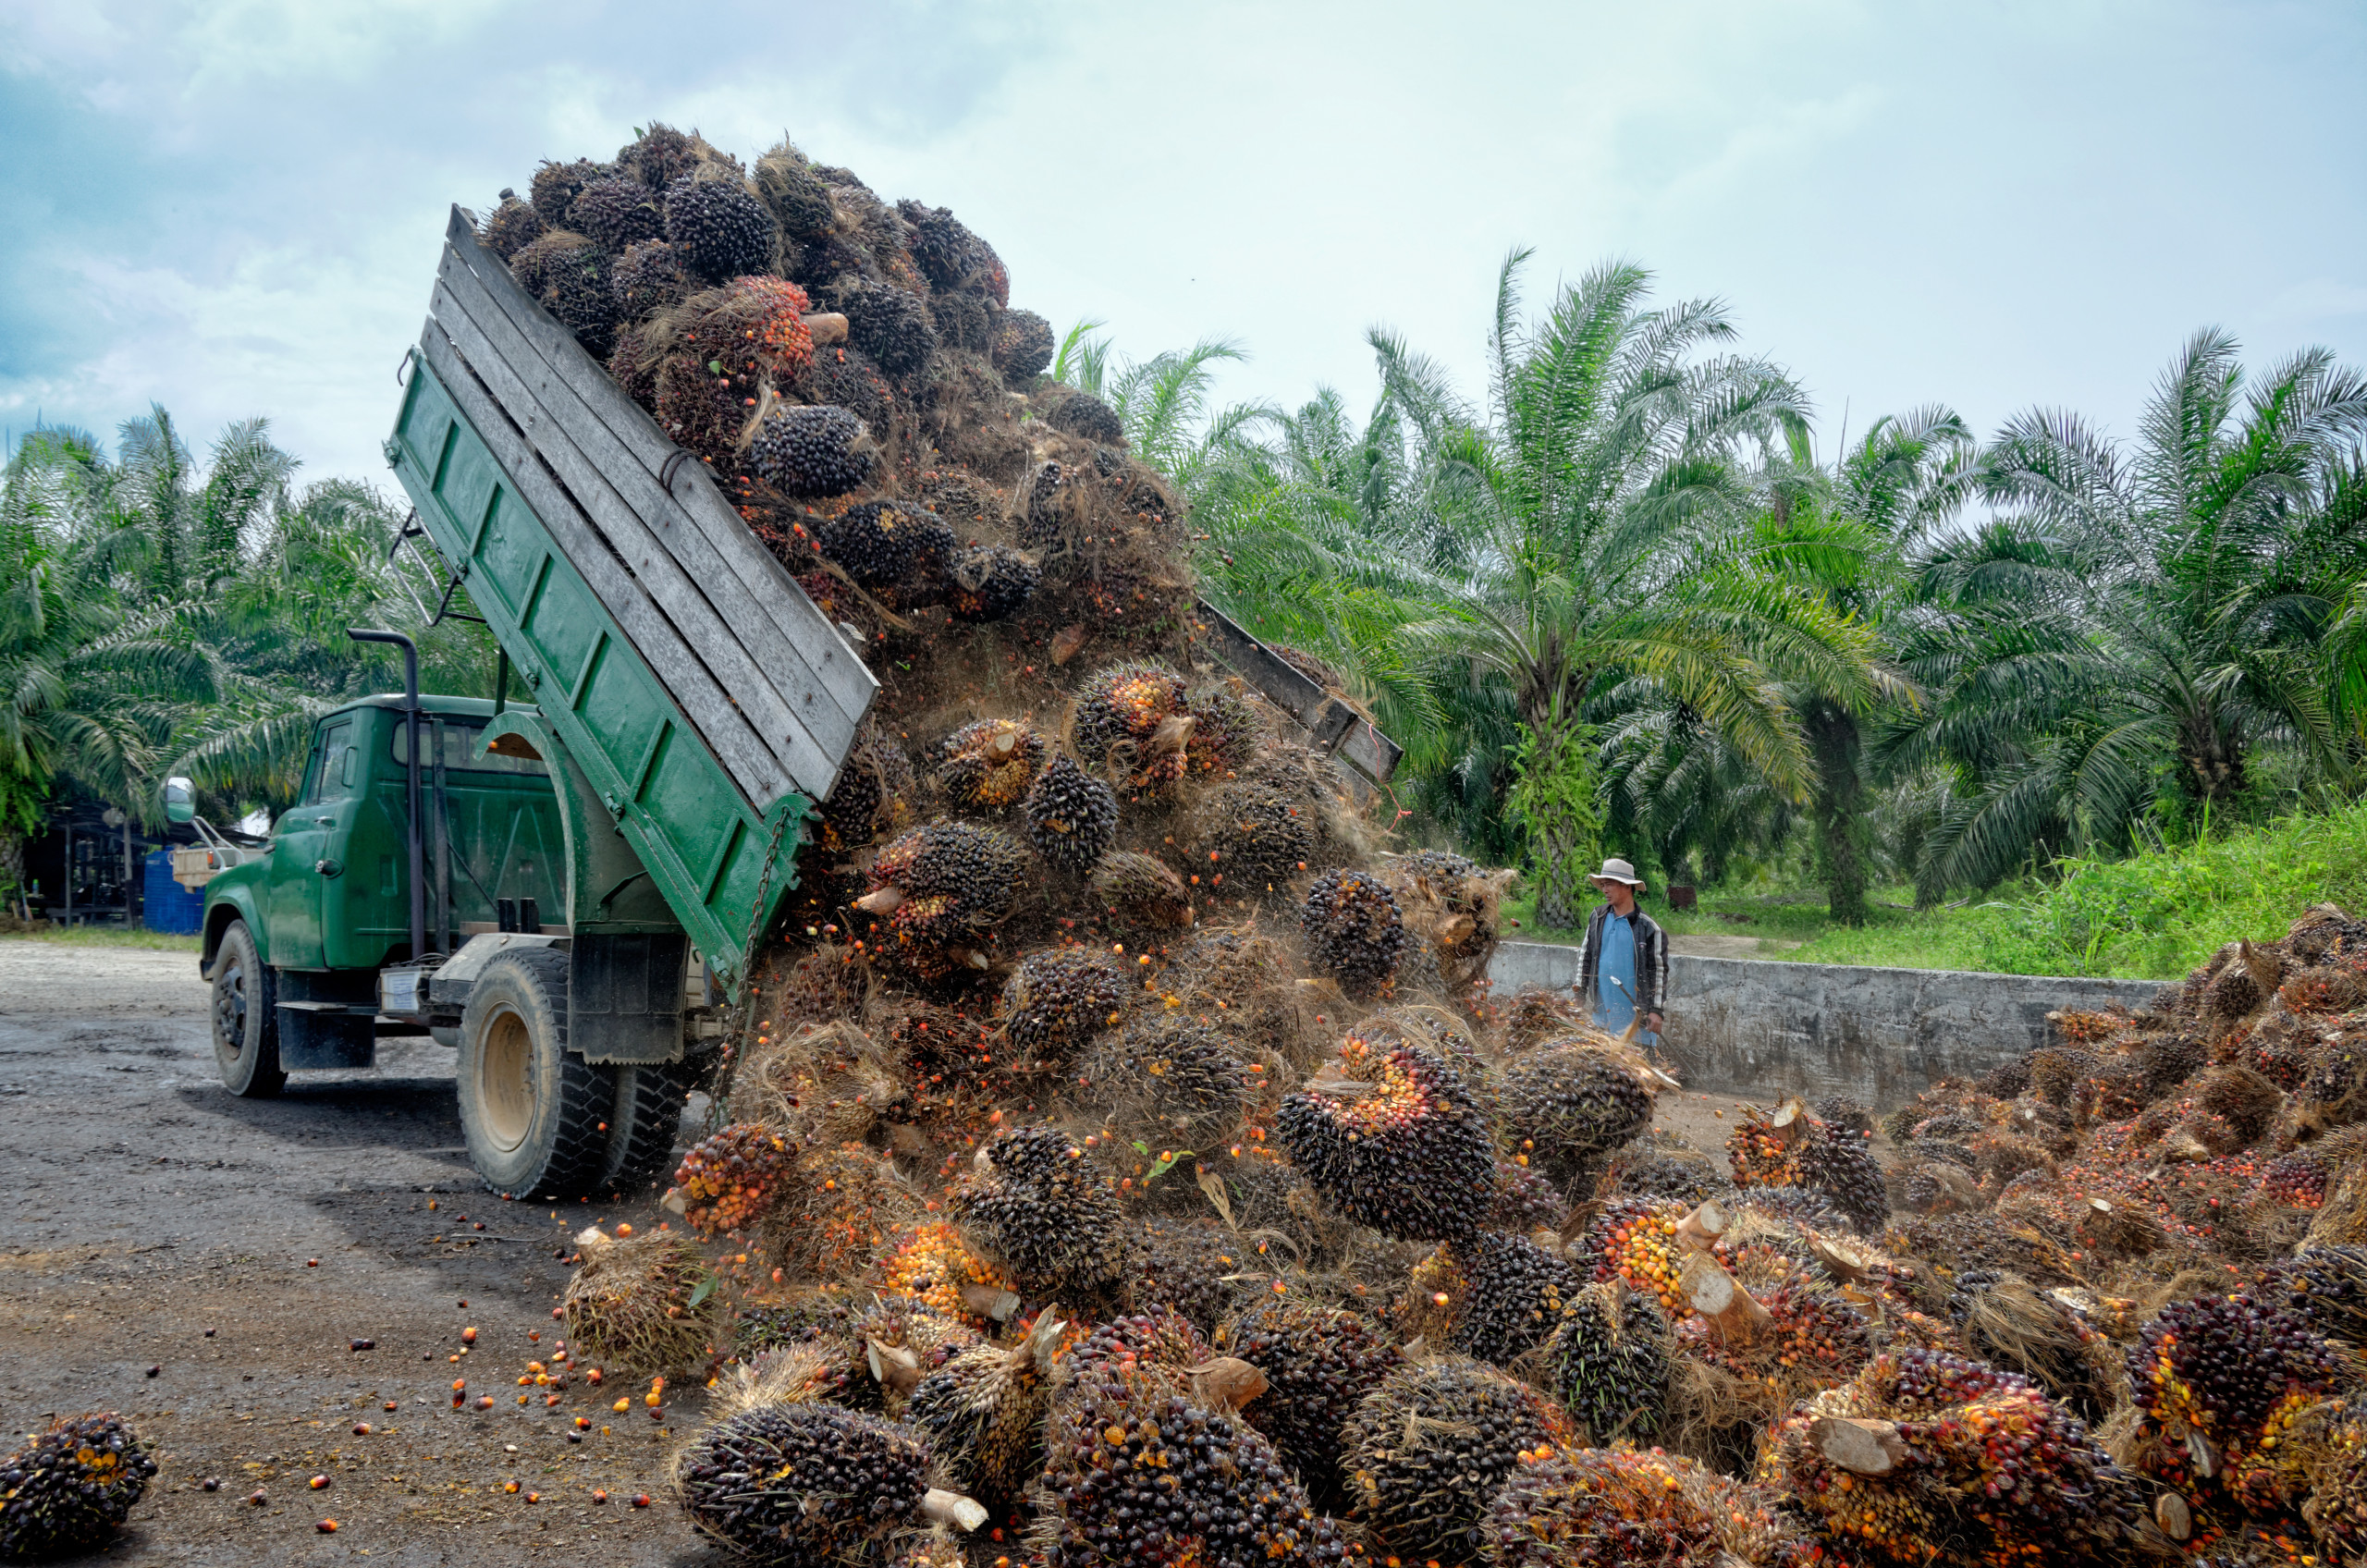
[1082,415]
[1226,731]
[1133,1475]
[837,1209]
[617,213]
[891,325]
[983,1412]
[2336,1510]
[810,1483]
[1059,999]
[1805,1334]
[1633,1239]
[1427,1452]
[871,794]
[1564,1108]
[990,583]
[1393,1139]
[1139,890]
[1069,816]
[1608,1362]
[513,226]
[1319,1363]
[1791,1148]
[988,765]
[2003,1321]
[812,452]
[1929,1458]
[648,279]
[2219,1380]
[1258,839]
[2295,1180]
[887,544]
[941,889]
[555,185]
[1189,1267]
[1184,1072]
[1450,906]
[899,1341]
[934,1266]
[724,231]
[70,1488]
[1135,719]
[1606,1508]
[1022,346]
[803,1318]
[646,1301]
[1489,1295]
[1658,1171]
[2327,1286]
[718,355]
[1037,1204]
[1354,931]
[729,1179]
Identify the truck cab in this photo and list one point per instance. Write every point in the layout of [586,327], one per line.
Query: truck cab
[308,950]
[328,893]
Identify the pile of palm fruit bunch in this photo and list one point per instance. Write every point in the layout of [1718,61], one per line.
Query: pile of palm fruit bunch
[1126,1162]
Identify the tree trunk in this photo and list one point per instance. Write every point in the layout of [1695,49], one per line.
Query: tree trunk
[1843,833]
[2214,759]
[1553,800]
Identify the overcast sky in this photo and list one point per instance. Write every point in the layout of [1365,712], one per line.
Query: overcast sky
[235,209]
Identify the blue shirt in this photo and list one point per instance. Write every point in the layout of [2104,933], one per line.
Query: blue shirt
[1614,1007]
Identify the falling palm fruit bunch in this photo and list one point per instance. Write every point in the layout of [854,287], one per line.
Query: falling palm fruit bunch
[727,1180]
[1394,1140]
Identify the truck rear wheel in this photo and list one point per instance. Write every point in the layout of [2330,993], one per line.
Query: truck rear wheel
[246,1017]
[644,1120]
[529,1108]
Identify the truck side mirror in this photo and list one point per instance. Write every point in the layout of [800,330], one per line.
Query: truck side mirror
[180,800]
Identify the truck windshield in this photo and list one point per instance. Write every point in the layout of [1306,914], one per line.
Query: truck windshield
[459,749]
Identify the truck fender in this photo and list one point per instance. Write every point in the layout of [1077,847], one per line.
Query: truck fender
[237,904]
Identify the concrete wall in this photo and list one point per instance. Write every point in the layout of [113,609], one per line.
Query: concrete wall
[1765,1029]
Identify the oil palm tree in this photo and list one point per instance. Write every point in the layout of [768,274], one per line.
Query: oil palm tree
[1580,527]
[2137,624]
[1886,495]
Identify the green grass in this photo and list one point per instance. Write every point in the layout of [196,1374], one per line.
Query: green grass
[100,936]
[2149,916]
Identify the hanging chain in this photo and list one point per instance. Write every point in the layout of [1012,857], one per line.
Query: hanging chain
[743,1032]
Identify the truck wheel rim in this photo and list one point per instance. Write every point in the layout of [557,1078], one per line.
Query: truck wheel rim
[230,1010]
[506,1080]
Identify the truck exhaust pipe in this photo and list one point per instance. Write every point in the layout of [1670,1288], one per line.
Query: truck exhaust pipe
[414,841]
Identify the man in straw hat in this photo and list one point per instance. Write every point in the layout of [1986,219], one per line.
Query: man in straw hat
[1623,967]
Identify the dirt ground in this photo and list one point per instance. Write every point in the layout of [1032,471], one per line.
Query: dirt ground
[238,1247]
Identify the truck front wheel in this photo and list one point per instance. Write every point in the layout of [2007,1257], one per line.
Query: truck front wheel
[530,1109]
[246,1017]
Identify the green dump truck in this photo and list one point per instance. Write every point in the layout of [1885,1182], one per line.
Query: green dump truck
[564,888]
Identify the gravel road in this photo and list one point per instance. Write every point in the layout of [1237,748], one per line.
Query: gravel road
[240,1246]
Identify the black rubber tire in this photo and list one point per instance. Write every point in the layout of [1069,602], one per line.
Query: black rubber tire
[529,1108]
[644,1120]
[246,1017]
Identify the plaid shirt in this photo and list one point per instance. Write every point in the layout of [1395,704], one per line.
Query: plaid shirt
[1651,960]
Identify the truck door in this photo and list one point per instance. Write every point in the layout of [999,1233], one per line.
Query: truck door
[299,864]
